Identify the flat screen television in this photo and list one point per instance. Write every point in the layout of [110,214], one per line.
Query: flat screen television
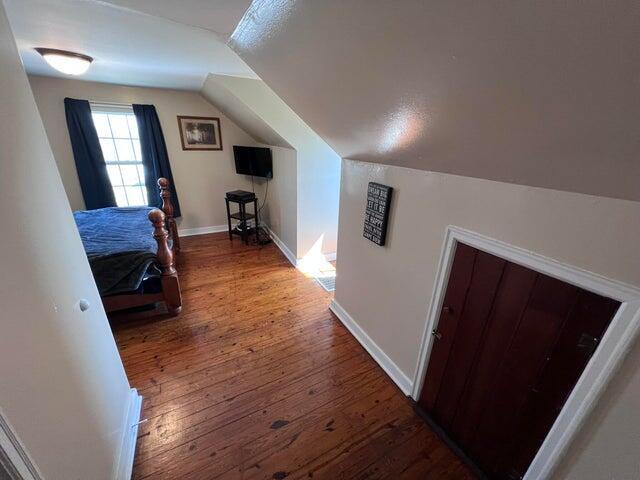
[254,161]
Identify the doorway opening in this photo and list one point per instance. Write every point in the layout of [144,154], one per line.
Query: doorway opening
[517,348]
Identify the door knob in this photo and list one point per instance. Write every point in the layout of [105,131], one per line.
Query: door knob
[83,305]
[436,334]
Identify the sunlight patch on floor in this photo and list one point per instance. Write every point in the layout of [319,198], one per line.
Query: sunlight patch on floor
[315,265]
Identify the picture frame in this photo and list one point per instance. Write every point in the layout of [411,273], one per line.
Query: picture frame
[200,133]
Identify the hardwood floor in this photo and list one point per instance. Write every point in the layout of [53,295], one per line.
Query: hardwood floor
[257,379]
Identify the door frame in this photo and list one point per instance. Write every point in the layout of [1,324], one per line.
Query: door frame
[608,356]
[13,455]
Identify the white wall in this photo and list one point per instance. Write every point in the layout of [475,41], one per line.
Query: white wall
[201,177]
[64,388]
[238,111]
[318,166]
[281,202]
[387,289]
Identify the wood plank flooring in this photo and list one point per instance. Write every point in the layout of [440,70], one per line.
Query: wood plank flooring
[256,379]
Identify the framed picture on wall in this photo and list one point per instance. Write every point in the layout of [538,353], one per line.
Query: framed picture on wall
[200,133]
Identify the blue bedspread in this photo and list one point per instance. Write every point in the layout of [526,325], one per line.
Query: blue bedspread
[120,246]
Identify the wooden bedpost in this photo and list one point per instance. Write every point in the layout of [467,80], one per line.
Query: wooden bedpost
[169,277]
[167,208]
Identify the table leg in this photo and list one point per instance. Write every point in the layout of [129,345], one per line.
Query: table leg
[257,223]
[243,214]
[229,218]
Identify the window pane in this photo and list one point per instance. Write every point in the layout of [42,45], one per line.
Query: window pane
[121,198]
[108,150]
[102,124]
[136,146]
[130,174]
[114,175]
[135,195]
[125,150]
[119,126]
[119,141]
[133,125]
[141,173]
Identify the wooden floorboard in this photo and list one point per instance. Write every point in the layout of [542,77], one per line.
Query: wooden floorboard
[257,379]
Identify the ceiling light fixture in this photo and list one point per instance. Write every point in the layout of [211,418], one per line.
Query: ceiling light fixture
[70,63]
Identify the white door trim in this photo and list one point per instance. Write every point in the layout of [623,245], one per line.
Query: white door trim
[613,347]
[13,452]
[130,436]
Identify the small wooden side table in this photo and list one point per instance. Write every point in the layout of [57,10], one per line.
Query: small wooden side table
[242,198]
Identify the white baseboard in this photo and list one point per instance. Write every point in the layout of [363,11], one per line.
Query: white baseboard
[125,464]
[14,459]
[329,257]
[188,232]
[281,245]
[401,380]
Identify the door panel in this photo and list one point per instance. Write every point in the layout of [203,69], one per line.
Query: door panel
[460,278]
[486,276]
[511,351]
[508,308]
[569,357]
[549,305]
[547,309]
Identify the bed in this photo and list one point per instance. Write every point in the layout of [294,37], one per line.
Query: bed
[132,251]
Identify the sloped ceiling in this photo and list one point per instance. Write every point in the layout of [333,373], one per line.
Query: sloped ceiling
[536,93]
[217,93]
[146,47]
[219,16]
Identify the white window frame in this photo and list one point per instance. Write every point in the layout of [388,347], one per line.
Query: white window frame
[128,110]
[604,362]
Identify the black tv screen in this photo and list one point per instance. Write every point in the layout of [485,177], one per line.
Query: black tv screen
[254,161]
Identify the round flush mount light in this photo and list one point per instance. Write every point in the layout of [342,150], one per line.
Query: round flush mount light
[70,63]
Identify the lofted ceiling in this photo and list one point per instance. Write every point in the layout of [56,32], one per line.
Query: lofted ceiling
[155,43]
[238,109]
[219,16]
[538,93]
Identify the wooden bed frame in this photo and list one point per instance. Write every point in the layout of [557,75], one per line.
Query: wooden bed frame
[163,225]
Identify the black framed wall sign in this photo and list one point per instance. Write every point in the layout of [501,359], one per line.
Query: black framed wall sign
[376,214]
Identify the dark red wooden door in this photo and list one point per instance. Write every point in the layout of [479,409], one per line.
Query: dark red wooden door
[510,345]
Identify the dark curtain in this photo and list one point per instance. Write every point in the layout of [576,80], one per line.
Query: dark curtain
[92,171]
[154,156]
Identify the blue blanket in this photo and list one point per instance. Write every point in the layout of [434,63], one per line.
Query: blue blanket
[120,246]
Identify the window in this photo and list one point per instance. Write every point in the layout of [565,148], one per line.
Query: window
[118,133]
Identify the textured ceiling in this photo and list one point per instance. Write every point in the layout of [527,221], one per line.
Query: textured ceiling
[535,93]
[150,47]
